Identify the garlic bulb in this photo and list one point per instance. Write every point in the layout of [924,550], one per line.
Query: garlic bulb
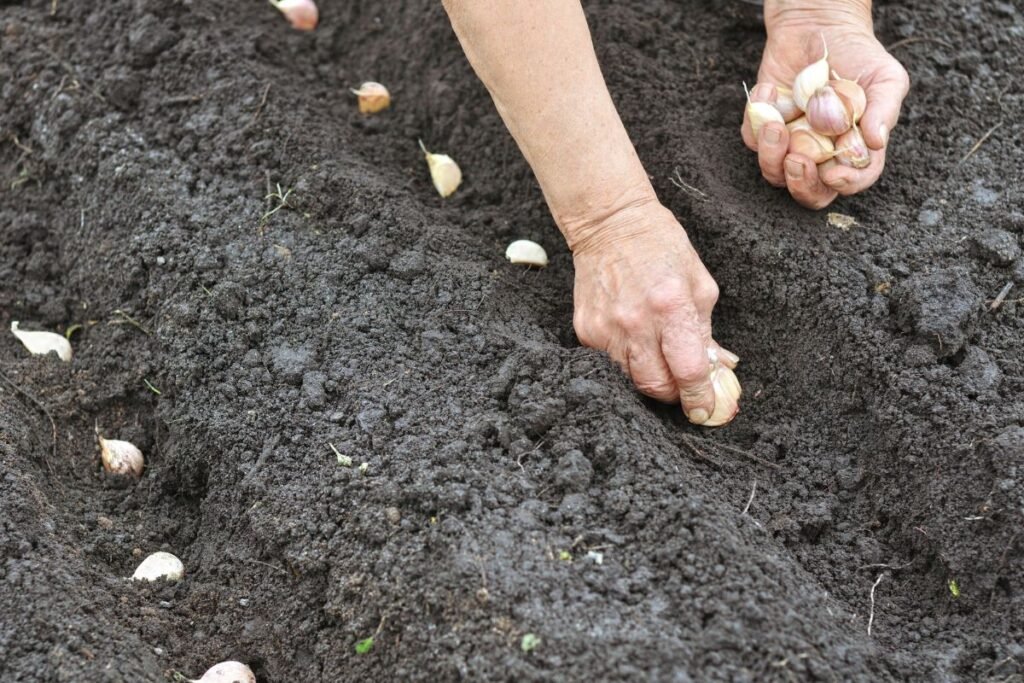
[785,104]
[811,78]
[761,113]
[445,173]
[159,565]
[228,672]
[42,343]
[373,97]
[851,150]
[852,95]
[527,253]
[301,14]
[827,113]
[121,457]
[727,388]
[804,140]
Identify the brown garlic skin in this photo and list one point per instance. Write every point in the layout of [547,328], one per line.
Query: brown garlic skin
[851,150]
[827,113]
[804,140]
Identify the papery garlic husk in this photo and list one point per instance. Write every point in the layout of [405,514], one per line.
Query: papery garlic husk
[121,457]
[852,95]
[761,113]
[786,105]
[812,77]
[527,253]
[445,173]
[159,565]
[301,14]
[851,150]
[228,672]
[827,113]
[42,343]
[727,395]
[804,140]
[373,97]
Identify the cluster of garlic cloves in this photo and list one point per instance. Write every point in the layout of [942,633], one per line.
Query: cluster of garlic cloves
[821,114]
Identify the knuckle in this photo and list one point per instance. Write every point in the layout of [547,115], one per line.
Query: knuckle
[706,293]
[630,319]
[668,298]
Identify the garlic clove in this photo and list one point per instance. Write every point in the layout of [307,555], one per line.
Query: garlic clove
[445,173]
[761,113]
[827,113]
[373,97]
[812,77]
[42,343]
[228,672]
[851,150]
[785,104]
[159,565]
[301,14]
[527,253]
[727,394]
[121,457]
[852,95]
[804,140]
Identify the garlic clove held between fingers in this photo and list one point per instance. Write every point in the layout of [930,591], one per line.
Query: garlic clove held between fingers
[852,95]
[804,140]
[42,343]
[827,113]
[761,113]
[727,395]
[159,565]
[812,77]
[121,457]
[851,150]
[227,672]
[444,172]
[785,104]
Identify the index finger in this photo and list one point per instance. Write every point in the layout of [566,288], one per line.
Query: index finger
[685,350]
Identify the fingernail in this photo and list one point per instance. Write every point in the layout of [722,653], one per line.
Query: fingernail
[838,183]
[794,169]
[883,132]
[772,136]
[698,416]
[762,92]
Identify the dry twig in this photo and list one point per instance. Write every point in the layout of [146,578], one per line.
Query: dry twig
[871,616]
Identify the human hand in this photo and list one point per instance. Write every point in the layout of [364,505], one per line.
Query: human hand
[643,296]
[795,32]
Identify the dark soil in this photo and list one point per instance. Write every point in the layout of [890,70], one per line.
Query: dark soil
[883,420]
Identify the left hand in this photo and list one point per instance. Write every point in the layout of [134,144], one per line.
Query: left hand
[794,41]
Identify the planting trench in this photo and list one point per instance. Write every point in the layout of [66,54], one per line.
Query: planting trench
[880,443]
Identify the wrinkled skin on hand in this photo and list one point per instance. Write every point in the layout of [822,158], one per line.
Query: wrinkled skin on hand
[643,296]
[794,41]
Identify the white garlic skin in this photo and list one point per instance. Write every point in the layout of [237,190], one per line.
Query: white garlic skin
[812,77]
[228,672]
[42,343]
[727,395]
[761,113]
[121,457]
[804,140]
[851,150]
[525,252]
[159,565]
[852,95]
[373,97]
[301,14]
[444,172]
[785,104]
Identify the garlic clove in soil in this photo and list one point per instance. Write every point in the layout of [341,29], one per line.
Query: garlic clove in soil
[810,79]
[301,14]
[159,565]
[851,150]
[852,95]
[805,140]
[121,457]
[827,113]
[227,672]
[373,97]
[761,113]
[42,343]
[785,104]
[445,173]
[527,253]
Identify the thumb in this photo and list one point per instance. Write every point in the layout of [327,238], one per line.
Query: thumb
[687,358]
[884,99]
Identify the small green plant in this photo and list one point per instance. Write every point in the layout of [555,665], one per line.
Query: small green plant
[281,199]
[530,642]
[364,646]
[954,588]
[565,556]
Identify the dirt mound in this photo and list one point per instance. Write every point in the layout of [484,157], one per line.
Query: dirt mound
[191,183]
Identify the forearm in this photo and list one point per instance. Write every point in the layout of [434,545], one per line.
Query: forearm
[537,60]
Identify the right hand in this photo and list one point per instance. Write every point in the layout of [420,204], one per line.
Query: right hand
[643,296]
